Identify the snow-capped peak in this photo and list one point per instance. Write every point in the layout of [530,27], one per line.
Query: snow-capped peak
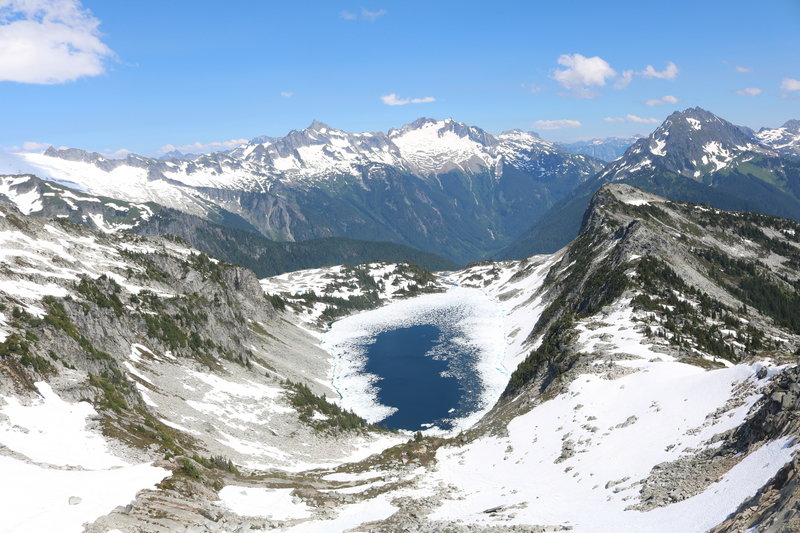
[785,139]
[436,146]
[692,143]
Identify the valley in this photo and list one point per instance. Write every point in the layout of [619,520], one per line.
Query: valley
[578,381]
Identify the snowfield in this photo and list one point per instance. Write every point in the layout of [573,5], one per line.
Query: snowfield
[618,429]
[63,472]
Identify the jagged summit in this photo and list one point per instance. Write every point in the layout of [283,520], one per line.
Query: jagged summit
[690,143]
[792,125]
[785,139]
[316,125]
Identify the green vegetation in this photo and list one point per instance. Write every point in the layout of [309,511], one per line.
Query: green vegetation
[551,355]
[277,302]
[114,386]
[57,317]
[333,417]
[189,468]
[150,270]
[211,269]
[692,317]
[14,345]
[752,284]
[39,364]
[153,432]
[103,292]
[216,462]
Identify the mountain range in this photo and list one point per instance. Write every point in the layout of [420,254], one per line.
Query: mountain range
[694,156]
[439,186]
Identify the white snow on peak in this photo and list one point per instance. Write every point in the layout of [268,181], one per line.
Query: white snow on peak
[658,149]
[27,202]
[782,139]
[694,123]
[717,156]
[435,147]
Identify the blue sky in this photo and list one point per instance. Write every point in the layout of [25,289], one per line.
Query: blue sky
[143,76]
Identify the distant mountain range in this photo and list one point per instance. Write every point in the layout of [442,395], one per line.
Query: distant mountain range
[605,149]
[440,186]
[694,156]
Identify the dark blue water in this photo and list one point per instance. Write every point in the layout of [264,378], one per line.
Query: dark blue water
[409,363]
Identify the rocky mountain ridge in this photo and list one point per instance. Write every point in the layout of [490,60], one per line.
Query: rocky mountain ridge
[694,156]
[439,186]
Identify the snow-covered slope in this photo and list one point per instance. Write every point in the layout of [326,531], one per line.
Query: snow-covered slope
[692,143]
[785,139]
[640,381]
[436,185]
[426,147]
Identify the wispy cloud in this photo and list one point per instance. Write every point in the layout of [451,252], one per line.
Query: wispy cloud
[364,14]
[582,73]
[393,99]
[287,94]
[632,118]
[666,99]
[740,68]
[749,91]
[116,154]
[201,147]
[49,41]
[27,146]
[372,16]
[556,124]
[624,80]
[670,72]
[790,84]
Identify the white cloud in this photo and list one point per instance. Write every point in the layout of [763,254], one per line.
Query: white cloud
[49,41]
[27,146]
[624,80]
[372,16]
[116,154]
[667,99]
[582,72]
[556,124]
[790,84]
[203,148]
[740,68]
[365,14]
[669,73]
[632,118]
[32,146]
[749,91]
[393,99]
[287,94]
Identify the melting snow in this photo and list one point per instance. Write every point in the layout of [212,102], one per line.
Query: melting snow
[276,504]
